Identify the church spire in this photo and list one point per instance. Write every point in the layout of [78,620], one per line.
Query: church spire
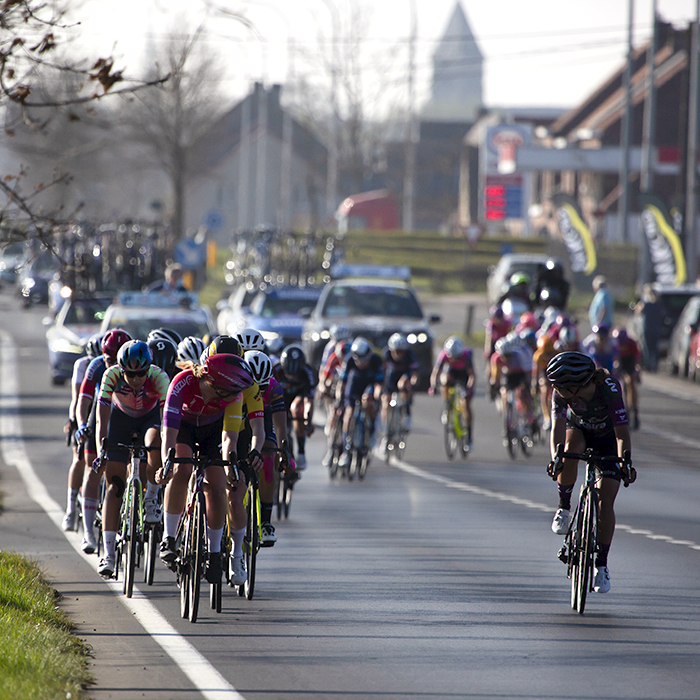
[457,93]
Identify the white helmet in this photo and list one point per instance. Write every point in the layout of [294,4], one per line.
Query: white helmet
[506,345]
[398,342]
[453,347]
[260,365]
[190,350]
[360,349]
[250,339]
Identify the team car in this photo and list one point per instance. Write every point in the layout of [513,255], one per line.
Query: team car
[373,301]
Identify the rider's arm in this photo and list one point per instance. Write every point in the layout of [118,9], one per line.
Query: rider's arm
[558,433]
[104,403]
[624,441]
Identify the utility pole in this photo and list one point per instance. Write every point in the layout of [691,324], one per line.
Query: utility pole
[624,205]
[261,157]
[244,164]
[411,136]
[691,199]
[648,142]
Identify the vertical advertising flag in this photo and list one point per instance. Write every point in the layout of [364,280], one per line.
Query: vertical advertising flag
[665,248]
[575,234]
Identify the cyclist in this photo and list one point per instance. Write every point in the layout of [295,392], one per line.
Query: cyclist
[338,333]
[164,356]
[599,347]
[498,326]
[361,378]
[93,348]
[628,367]
[329,377]
[511,370]
[164,334]
[132,395]
[86,416]
[588,411]
[202,402]
[251,339]
[455,365]
[275,425]
[546,350]
[189,349]
[567,340]
[250,429]
[550,285]
[516,299]
[299,382]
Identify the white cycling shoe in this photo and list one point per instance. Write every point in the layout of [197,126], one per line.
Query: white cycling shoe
[89,543]
[237,573]
[152,510]
[107,565]
[560,522]
[70,521]
[601,583]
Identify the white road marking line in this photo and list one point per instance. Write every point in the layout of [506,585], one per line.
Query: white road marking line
[203,675]
[478,491]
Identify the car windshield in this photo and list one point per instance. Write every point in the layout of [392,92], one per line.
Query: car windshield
[85,313]
[371,300]
[284,306]
[140,327]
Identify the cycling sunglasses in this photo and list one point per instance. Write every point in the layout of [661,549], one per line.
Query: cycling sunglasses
[223,393]
[573,390]
[135,373]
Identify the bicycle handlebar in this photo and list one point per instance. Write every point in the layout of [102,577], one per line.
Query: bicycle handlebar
[629,474]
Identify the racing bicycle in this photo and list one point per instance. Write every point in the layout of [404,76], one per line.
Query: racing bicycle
[516,428]
[581,539]
[454,422]
[359,432]
[286,478]
[396,432]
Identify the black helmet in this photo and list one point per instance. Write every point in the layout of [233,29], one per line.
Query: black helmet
[224,345]
[164,354]
[292,359]
[570,369]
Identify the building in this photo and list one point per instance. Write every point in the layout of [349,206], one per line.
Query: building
[226,189]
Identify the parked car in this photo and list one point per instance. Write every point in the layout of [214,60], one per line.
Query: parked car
[68,332]
[138,313]
[12,257]
[280,312]
[679,357]
[34,277]
[510,263]
[237,304]
[374,307]
[672,301]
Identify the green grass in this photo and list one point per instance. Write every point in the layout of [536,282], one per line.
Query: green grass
[39,656]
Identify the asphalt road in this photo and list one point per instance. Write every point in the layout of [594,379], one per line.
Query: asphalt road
[430,579]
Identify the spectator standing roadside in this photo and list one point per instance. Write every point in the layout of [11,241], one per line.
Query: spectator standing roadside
[600,312]
[651,314]
[172,283]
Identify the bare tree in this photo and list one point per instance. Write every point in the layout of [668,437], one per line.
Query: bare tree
[169,120]
[32,36]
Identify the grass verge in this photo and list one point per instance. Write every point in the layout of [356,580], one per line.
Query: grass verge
[39,656]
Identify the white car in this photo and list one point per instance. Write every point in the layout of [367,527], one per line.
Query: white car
[139,313]
[235,308]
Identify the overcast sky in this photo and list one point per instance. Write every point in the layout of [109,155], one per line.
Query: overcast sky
[538,52]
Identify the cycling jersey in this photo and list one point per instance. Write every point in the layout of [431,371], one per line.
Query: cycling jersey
[273,397]
[301,385]
[544,353]
[184,404]
[79,368]
[462,363]
[517,362]
[357,380]
[395,369]
[93,377]
[629,348]
[604,412]
[115,390]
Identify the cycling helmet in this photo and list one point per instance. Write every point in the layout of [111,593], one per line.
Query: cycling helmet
[260,365]
[567,335]
[570,369]
[113,340]
[398,342]
[134,356]
[507,345]
[190,349]
[93,347]
[339,331]
[602,329]
[453,347]
[529,336]
[228,372]
[519,278]
[225,345]
[360,349]
[292,360]
[164,334]
[250,339]
[528,320]
[620,334]
[164,355]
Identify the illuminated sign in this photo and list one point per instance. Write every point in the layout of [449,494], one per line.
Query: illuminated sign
[503,197]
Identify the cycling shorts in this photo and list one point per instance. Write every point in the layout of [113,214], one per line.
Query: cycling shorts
[605,444]
[122,427]
[208,437]
[627,364]
[450,377]
[392,378]
[516,379]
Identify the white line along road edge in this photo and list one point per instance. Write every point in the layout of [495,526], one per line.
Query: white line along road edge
[202,674]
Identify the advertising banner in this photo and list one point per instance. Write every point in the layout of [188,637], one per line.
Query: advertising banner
[575,234]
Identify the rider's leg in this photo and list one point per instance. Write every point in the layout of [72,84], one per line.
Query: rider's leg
[152,440]
[607,492]
[267,481]
[215,495]
[115,473]
[297,411]
[175,494]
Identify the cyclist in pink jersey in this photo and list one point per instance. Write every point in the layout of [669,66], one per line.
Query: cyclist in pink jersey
[131,397]
[203,408]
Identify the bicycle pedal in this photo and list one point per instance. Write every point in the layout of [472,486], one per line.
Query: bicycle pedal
[562,555]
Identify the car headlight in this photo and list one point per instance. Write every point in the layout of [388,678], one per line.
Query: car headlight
[64,345]
[420,338]
[29,283]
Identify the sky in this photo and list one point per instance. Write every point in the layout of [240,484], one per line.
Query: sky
[537,53]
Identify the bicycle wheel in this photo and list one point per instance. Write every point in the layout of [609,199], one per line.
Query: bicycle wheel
[450,438]
[183,564]
[511,438]
[574,548]
[152,540]
[197,556]
[587,548]
[132,544]
[391,438]
[526,442]
[336,447]
[251,543]
[287,489]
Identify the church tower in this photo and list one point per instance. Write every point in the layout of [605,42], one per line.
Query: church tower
[457,93]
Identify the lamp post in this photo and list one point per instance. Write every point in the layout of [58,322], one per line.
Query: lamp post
[624,205]
[411,136]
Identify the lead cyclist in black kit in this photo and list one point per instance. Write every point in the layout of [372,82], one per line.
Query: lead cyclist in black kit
[588,411]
